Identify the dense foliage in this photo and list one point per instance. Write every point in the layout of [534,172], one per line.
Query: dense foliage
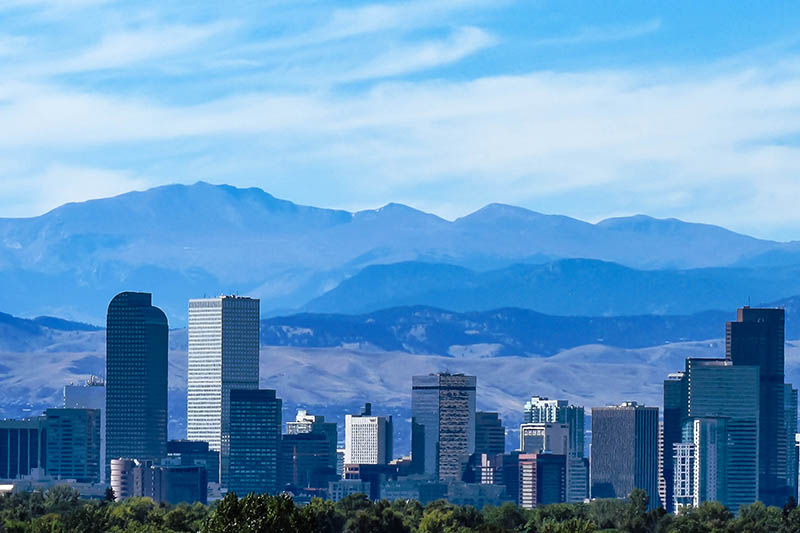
[61,510]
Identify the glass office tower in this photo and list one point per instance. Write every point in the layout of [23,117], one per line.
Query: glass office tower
[756,338]
[255,436]
[137,336]
[442,423]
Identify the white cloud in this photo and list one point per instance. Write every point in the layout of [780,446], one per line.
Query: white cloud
[374,18]
[124,48]
[412,58]
[602,34]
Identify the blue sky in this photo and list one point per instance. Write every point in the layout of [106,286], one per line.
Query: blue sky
[590,109]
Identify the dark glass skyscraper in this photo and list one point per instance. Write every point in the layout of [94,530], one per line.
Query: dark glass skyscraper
[255,438]
[756,339]
[717,389]
[674,413]
[137,337]
[442,423]
[624,451]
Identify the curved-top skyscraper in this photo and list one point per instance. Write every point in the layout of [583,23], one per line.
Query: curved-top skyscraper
[136,378]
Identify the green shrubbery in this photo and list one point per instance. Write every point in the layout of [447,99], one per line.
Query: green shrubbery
[61,510]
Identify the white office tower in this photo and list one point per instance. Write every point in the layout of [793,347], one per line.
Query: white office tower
[91,395]
[223,356]
[367,438]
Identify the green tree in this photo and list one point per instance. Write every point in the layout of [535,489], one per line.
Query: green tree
[507,517]
[257,513]
[323,516]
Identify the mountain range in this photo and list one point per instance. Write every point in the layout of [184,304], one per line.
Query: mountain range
[182,241]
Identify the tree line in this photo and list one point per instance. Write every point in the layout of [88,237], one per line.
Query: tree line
[61,510]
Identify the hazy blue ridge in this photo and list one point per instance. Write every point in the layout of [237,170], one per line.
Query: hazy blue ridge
[499,332]
[182,241]
[571,287]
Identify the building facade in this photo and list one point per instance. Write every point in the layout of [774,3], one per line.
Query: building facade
[716,388]
[490,435]
[91,395]
[624,452]
[23,447]
[367,438]
[255,436]
[223,356]
[442,423]
[137,336]
[73,444]
[540,437]
[542,479]
[756,338]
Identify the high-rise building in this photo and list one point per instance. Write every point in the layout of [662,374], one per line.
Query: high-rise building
[223,355]
[715,388]
[305,461]
[23,447]
[255,435]
[305,423]
[137,336]
[756,338]
[442,423]
[624,451]
[674,413]
[490,435]
[543,437]
[542,479]
[73,444]
[91,395]
[367,438]
[540,409]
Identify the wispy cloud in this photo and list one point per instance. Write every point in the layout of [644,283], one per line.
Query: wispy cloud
[374,18]
[602,34]
[130,47]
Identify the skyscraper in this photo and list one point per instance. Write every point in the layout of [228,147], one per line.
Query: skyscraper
[255,435]
[624,451]
[137,337]
[756,339]
[674,413]
[716,388]
[490,435]
[223,355]
[443,423]
[73,444]
[91,395]
[367,438]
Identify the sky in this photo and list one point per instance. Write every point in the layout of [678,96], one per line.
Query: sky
[590,109]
